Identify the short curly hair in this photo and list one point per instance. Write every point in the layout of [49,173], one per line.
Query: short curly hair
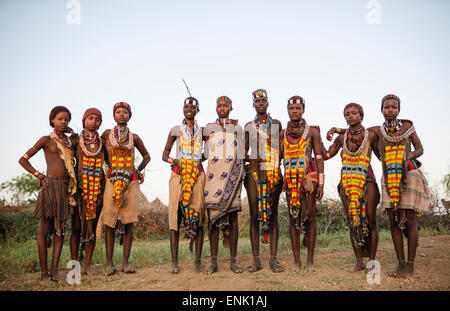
[57,110]
[358,107]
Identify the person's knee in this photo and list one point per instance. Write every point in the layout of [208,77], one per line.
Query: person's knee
[373,226]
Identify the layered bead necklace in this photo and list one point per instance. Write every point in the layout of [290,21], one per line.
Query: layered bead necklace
[62,138]
[91,140]
[355,166]
[294,163]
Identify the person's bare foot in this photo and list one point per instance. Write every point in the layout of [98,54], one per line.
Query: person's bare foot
[88,271]
[110,270]
[55,276]
[198,266]
[45,278]
[212,268]
[298,264]
[309,266]
[175,269]
[127,269]
[235,267]
[396,271]
[406,271]
[275,266]
[359,266]
[256,265]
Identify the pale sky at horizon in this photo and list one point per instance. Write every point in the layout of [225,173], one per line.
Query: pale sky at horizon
[138,52]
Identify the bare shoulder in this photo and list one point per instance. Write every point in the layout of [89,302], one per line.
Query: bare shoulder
[314,130]
[106,133]
[372,135]
[407,123]
[136,137]
[374,129]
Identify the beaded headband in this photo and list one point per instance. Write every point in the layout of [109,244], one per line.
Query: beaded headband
[224,99]
[192,101]
[261,93]
[390,96]
[296,100]
[122,105]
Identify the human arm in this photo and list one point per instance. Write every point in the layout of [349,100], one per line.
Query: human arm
[24,160]
[139,144]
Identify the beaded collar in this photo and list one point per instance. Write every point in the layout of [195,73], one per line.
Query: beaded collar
[66,142]
[115,142]
[396,139]
[83,145]
[360,149]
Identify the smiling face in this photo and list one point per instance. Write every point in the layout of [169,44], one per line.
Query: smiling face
[390,109]
[121,115]
[92,123]
[295,111]
[223,109]
[352,116]
[260,105]
[190,111]
[61,121]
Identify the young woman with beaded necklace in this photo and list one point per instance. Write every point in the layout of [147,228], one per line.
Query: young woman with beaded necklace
[303,181]
[358,188]
[120,199]
[55,201]
[89,153]
[405,193]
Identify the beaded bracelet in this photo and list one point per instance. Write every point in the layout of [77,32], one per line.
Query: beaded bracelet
[339,130]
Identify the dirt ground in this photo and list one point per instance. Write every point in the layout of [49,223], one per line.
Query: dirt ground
[432,273]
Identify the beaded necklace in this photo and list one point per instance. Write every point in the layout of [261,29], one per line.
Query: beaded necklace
[355,166]
[116,142]
[84,142]
[395,138]
[122,159]
[64,140]
[294,163]
[121,133]
[394,157]
[190,156]
[223,122]
[266,183]
[361,147]
[90,172]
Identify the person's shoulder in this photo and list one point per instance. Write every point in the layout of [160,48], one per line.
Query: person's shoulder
[106,132]
[276,121]
[374,129]
[407,123]
[44,139]
[136,136]
[372,134]
[248,124]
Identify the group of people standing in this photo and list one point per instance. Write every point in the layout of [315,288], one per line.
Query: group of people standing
[236,156]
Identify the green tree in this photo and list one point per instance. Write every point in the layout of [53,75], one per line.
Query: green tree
[23,189]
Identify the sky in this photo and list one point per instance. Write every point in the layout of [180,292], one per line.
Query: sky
[329,52]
